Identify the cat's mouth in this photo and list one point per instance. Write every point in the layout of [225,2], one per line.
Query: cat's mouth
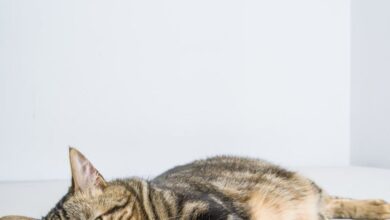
[16,217]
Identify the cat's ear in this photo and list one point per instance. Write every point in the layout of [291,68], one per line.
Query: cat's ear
[84,174]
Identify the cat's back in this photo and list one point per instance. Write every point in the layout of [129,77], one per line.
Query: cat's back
[220,167]
[229,174]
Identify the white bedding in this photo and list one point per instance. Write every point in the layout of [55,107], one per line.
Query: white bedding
[36,198]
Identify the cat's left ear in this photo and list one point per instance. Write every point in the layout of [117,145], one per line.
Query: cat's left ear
[84,175]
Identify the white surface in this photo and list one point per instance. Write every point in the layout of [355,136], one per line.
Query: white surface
[155,83]
[36,198]
[370,83]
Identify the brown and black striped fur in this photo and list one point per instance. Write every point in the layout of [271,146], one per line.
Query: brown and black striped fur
[218,188]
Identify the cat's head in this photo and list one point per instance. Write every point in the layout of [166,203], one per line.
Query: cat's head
[90,197]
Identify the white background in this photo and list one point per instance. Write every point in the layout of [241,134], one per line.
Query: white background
[370,63]
[140,86]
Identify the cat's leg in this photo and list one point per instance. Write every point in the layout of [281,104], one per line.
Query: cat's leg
[356,209]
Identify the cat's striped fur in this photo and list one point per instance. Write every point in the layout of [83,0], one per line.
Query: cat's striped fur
[219,188]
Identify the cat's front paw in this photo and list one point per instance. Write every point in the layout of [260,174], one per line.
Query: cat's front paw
[378,209]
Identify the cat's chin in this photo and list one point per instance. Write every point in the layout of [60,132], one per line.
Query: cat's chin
[15,217]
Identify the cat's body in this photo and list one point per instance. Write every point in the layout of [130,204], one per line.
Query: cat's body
[241,188]
[219,188]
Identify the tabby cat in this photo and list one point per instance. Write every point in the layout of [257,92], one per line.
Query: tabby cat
[218,188]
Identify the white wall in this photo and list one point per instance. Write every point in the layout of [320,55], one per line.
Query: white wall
[140,86]
[370,58]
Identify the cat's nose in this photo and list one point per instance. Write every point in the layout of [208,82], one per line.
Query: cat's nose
[15,217]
